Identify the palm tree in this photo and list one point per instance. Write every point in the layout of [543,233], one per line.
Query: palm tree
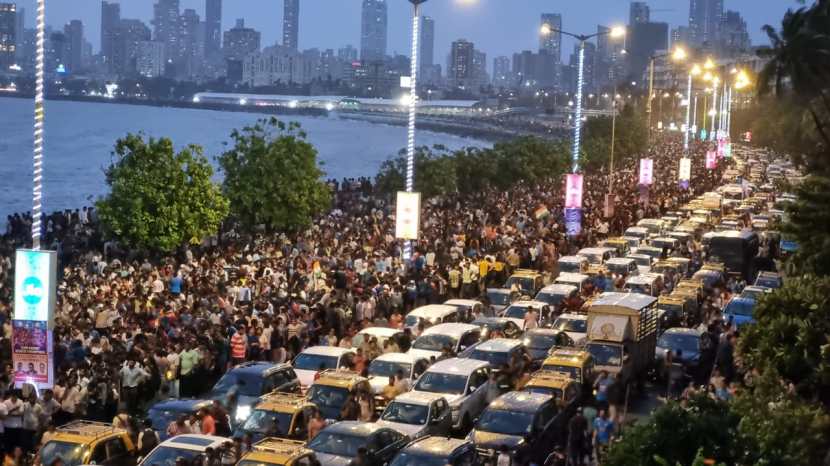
[800,55]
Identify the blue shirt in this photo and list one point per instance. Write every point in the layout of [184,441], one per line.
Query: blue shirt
[604,428]
[176,285]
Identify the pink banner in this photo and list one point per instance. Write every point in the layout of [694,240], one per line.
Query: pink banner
[721,148]
[646,172]
[573,191]
[711,160]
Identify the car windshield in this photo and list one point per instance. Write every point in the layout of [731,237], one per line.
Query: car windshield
[606,355]
[643,261]
[573,372]
[434,342]
[565,324]
[593,258]
[409,459]
[540,341]
[752,294]
[405,413]
[768,282]
[268,423]
[388,368]
[326,396]
[619,269]
[551,298]
[437,382]
[337,444]
[570,266]
[71,454]
[505,422]
[516,312]
[639,289]
[314,362]
[169,456]
[523,283]
[248,384]
[677,341]
[671,308]
[495,358]
[740,308]
[554,393]
[499,299]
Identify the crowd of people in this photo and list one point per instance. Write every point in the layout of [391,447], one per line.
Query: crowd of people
[170,326]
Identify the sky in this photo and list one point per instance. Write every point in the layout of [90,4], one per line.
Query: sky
[498,27]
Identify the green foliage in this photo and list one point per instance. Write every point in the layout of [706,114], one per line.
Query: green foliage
[678,435]
[160,199]
[272,176]
[438,171]
[791,339]
[630,141]
[808,224]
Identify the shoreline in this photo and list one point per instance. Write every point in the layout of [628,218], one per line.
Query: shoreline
[489,133]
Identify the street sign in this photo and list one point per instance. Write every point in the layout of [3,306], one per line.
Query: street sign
[34,285]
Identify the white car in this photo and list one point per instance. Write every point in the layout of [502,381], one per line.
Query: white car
[418,414]
[517,311]
[431,314]
[497,352]
[316,358]
[457,336]
[187,447]
[388,364]
[574,325]
[463,383]
[469,308]
[381,333]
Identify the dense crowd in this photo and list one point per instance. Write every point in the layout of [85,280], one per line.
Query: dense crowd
[133,329]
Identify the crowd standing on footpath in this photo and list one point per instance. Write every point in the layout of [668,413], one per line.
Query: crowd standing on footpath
[132,330]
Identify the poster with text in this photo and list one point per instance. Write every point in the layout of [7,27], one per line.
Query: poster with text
[573,191]
[685,172]
[646,172]
[573,222]
[32,353]
[408,215]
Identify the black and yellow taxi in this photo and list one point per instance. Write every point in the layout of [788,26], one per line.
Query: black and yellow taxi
[85,442]
[554,384]
[333,387]
[278,414]
[576,363]
[273,451]
[528,281]
[524,422]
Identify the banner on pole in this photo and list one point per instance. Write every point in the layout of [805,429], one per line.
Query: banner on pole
[711,160]
[32,354]
[408,215]
[573,191]
[646,171]
[35,278]
[685,171]
[573,221]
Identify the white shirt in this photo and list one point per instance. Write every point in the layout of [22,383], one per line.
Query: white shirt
[14,417]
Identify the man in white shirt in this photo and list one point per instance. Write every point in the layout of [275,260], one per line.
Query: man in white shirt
[132,375]
[14,419]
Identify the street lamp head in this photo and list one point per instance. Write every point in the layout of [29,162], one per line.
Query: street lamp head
[709,64]
[545,30]
[617,32]
[679,54]
[417,2]
[695,70]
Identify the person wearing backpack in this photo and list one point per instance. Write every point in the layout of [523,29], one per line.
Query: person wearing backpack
[147,439]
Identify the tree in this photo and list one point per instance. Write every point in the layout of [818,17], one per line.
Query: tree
[807,224]
[272,176]
[434,172]
[160,199]
[791,338]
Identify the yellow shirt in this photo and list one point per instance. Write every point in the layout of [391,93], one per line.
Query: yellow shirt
[483,265]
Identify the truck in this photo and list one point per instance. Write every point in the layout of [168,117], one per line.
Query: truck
[622,334]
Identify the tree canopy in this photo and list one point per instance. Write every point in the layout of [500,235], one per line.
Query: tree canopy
[273,177]
[160,199]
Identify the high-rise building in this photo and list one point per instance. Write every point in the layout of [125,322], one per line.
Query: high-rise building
[589,61]
[130,34]
[239,42]
[550,39]
[645,40]
[705,18]
[348,54]
[461,72]
[427,52]
[213,27]
[74,32]
[480,67]
[502,75]
[680,35]
[150,59]
[8,35]
[192,43]
[638,13]
[734,36]
[290,23]
[110,23]
[167,29]
[276,64]
[19,28]
[56,52]
[373,29]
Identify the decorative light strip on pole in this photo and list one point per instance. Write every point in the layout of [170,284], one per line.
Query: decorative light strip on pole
[578,113]
[413,107]
[37,156]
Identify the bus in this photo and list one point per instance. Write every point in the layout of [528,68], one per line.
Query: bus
[736,250]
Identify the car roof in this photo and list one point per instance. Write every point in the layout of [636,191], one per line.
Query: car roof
[338,378]
[758,288]
[529,303]
[637,229]
[541,331]
[619,261]
[499,345]
[559,288]
[283,402]
[630,300]
[499,290]
[576,258]
[641,279]
[481,320]
[525,402]
[357,428]
[275,451]
[683,331]
[572,277]
[176,404]
[398,357]
[257,367]
[433,310]
[574,316]
[380,331]
[450,328]
[596,250]
[194,442]
[439,446]
[457,366]
[418,398]
[87,431]
[740,300]
[462,302]
[327,351]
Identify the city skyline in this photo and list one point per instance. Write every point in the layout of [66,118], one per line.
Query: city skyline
[341,23]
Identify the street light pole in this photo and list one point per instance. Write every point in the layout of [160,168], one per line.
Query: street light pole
[578,113]
[413,107]
[712,135]
[37,155]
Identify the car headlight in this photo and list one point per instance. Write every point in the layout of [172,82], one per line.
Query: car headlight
[242,413]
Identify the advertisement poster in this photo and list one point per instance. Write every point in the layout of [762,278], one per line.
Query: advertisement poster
[34,285]
[573,191]
[31,353]
[408,215]
[646,171]
[573,222]
[721,148]
[685,172]
[711,160]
